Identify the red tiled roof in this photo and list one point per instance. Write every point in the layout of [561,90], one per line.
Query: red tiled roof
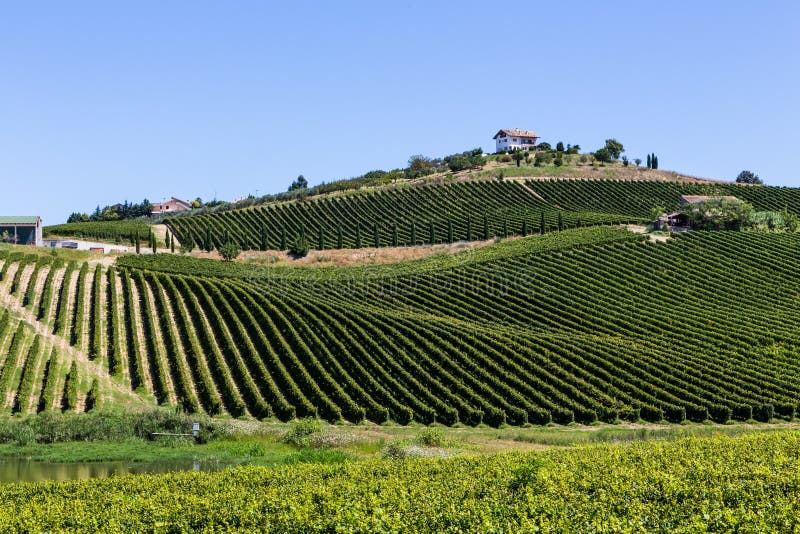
[516,133]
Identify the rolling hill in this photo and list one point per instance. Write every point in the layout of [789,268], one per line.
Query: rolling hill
[579,325]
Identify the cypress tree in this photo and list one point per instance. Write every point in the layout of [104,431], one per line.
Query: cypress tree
[172,243]
[394,235]
[413,232]
[339,237]
[655,161]
[358,235]
[209,244]
[321,239]
[560,222]
[136,241]
[649,162]
[166,240]
[485,227]
[283,238]
[449,230]
[542,224]
[263,245]
[524,227]
[376,237]
[431,232]
[469,228]
[505,227]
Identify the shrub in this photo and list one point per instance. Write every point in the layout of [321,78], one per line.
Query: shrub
[229,251]
[301,432]
[299,247]
[431,437]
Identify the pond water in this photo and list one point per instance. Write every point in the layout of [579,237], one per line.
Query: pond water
[24,470]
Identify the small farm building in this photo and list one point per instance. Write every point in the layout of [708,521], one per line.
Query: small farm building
[515,140]
[170,206]
[22,230]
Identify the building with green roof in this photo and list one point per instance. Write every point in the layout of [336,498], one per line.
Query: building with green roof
[21,230]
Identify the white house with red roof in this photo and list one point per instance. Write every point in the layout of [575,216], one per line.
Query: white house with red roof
[170,206]
[515,140]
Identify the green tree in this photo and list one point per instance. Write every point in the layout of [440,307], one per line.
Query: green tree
[299,247]
[603,155]
[524,230]
[358,235]
[450,231]
[394,235]
[469,228]
[376,236]
[230,251]
[615,148]
[518,156]
[748,177]
[321,238]
[719,214]
[560,222]
[413,234]
[542,224]
[649,162]
[431,233]
[283,238]
[339,237]
[485,227]
[559,147]
[299,183]
[655,161]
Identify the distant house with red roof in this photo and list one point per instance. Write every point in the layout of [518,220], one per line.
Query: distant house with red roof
[170,206]
[515,140]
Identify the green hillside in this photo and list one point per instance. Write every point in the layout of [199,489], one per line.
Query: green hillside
[407,215]
[454,212]
[580,325]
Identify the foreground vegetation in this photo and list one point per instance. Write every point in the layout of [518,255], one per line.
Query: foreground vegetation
[716,484]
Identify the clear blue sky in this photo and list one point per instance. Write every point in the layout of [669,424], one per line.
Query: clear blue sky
[106,101]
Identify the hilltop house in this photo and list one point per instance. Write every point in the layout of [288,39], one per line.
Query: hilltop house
[515,139]
[22,230]
[170,206]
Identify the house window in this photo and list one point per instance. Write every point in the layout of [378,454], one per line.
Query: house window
[515,139]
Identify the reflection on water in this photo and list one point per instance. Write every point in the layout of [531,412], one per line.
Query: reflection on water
[23,470]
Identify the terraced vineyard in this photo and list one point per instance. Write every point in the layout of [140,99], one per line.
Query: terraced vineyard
[638,198]
[580,325]
[385,217]
[461,211]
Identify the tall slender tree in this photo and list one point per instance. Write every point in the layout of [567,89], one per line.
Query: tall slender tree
[542,224]
[431,233]
[321,238]
[469,228]
[413,234]
[394,235]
